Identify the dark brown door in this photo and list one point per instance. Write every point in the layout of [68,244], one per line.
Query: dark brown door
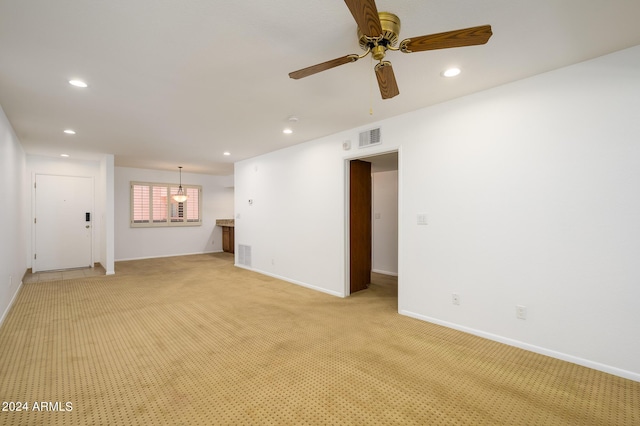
[360,225]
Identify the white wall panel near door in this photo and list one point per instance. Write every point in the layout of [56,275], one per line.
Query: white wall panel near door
[62,234]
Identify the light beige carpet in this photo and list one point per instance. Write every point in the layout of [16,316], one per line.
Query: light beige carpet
[195,341]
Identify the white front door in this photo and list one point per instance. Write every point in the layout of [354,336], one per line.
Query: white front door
[63,222]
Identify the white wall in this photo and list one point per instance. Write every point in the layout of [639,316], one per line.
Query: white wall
[138,243]
[13,216]
[295,225]
[105,204]
[385,222]
[531,191]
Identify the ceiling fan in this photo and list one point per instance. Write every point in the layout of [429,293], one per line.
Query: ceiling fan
[378,32]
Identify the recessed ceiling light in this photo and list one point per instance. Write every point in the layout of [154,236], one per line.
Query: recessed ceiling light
[77,83]
[70,132]
[227,153]
[64,155]
[451,72]
[287,131]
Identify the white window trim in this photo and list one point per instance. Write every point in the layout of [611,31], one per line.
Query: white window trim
[169,222]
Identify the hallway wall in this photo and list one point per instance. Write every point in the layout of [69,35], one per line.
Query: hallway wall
[13,215]
[385,222]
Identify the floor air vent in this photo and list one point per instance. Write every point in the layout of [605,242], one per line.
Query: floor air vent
[244,255]
[370,138]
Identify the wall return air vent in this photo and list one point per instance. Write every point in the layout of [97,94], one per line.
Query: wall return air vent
[244,255]
[370,138]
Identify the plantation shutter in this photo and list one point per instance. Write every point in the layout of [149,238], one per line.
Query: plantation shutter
[193,205]
[153,205]
[159,204]
[140,202]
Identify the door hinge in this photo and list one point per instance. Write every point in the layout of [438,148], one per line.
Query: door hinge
[34,185]
[34,220]
[35,256]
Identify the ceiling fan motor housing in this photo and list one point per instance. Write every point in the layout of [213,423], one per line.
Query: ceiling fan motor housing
[390,32]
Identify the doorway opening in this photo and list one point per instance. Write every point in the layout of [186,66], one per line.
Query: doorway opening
[372,212]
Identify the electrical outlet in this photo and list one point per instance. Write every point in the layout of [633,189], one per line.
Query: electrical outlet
[455,298]
[521,312]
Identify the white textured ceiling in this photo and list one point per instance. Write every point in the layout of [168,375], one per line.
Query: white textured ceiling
[178,82]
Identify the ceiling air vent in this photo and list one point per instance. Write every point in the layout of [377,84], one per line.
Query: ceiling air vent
[370,138]
[244,255]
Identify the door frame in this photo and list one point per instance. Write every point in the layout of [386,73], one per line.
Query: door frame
[347,217]
[32,260]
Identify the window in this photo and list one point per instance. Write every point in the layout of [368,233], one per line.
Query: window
[152,205]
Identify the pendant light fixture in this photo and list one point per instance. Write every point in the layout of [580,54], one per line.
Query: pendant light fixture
[180,197]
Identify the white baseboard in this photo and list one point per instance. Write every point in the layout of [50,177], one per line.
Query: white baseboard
[532,348]
[300,283]
[378,271]
[13,299]
[167,255]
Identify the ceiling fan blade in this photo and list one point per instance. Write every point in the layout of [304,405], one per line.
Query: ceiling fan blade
[365,13]
[386,80]
[457,38]
[313,69]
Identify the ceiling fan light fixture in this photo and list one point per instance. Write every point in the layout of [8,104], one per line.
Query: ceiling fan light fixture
[451,72]
[180,196]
